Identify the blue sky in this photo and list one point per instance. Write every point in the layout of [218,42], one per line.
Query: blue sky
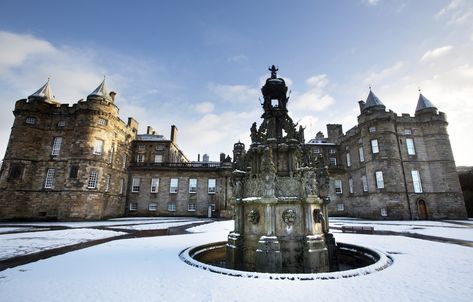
[200,64]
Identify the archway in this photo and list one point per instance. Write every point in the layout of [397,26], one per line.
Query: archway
[422,209]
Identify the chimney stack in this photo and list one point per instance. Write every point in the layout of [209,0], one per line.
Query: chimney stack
[173,133]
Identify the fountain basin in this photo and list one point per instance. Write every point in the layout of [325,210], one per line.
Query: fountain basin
[353,261]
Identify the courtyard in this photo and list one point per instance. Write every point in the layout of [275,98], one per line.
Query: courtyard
[138,260]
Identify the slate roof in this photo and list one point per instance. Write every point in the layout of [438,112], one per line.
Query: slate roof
[44,93]
[372,100]
[424,103]
[101,91]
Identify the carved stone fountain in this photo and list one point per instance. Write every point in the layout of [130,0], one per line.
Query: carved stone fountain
[280,195]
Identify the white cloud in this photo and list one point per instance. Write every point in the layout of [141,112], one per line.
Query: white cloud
[235,93]
[315,99]
[436,53]
[204,107]
[372,2]
[457,12]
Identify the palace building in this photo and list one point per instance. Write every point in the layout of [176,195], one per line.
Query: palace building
[81,161]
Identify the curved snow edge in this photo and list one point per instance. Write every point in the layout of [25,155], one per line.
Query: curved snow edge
[383,262]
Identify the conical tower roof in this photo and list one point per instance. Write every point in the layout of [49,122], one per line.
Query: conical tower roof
[424,103]
[44,93]
[372,101]
[101,91]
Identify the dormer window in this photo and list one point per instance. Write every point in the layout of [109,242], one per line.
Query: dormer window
[31,120]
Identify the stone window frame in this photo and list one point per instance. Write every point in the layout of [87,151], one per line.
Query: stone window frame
[122,185]
[93,179]
[133,206]
[379,179]
[416,181]
[340,207]
[16,171]
[374,146]
[102,121]
[158,158]
[338,186]
[73,171]
[173,185]
[348,156]
[56,146]
[172,207]
[361,154]
[108,181]
[372,129]
[332,151]
[140,158]
[135,184]
[61,124]
[410,146]
[191,207]
[154,187]
[98,146]
[364,183]
[152,207]
[408,131]
[332,161]
[31,120]
[350,186]
[212,186]
[49,178]
[192,185]
[383,212]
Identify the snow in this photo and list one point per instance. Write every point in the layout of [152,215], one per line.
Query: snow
[4,230]
[27,243]
[149,269]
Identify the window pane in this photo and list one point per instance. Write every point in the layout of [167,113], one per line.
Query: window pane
[135,184]
[348,160]
[154,185]
[416,181]
[57,141]
[98,147]
[212,185]
[410,146]
[374,146]
[92,183]
[338,186]
[174,185]
[49,181]
[192,185]
[365,183]
[350,185]
[379,179]
[362,154]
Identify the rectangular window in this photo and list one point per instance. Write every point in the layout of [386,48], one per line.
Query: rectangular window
[31,120]
[124,159]
[74,171]
[374,146]
[154,185]
[140,158]
[158,158]
[348,160]
[16,171]
[110,154]
[361,153]
[108,180]
[133,206]
[379,179]
[173,185]
[364,181]
[191,207]
[152,207]
[192,185]
[340,207]
[333,161]
[332,151]
[57,141]
[171,207]
[93,176]
[98,147]
[384,212]
[338,186]
[103,122]
[49,181]
[410,146]
[407,131]
[416,181]
[372,129]
[350,185]
[135,184]
[141,147]
[317,150]
[212,186]
[61,124]
[122,185]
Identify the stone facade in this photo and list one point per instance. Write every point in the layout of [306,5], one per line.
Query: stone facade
[77,162]
[392,167]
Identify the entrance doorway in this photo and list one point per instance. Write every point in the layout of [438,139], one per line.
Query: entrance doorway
[422,209]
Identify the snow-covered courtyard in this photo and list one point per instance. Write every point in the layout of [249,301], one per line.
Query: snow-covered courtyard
[149,268]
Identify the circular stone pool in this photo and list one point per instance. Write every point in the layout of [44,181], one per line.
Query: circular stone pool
[353,261]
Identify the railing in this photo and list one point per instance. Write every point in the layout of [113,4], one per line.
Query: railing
[179,165]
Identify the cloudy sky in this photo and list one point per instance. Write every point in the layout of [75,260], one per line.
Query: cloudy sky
[200,64]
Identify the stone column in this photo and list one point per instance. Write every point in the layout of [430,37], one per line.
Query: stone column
[268,255]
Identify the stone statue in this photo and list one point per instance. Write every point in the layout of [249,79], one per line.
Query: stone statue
[301,134]
[274,71]
[254,133]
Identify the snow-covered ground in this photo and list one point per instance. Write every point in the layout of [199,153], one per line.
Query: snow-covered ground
[158,226]
[20,244]
[462,230]
[149,269]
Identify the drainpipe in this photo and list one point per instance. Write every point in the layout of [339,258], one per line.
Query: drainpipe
[403,171]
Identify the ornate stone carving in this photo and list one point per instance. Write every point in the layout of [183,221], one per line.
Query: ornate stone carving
[289,216]
[253,216]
